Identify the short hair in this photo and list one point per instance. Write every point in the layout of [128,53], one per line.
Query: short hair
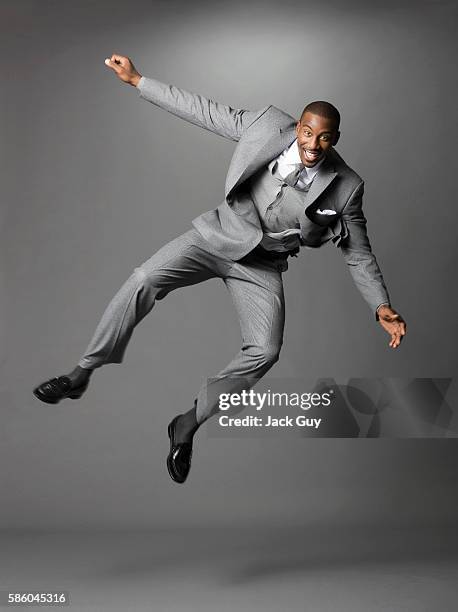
[323,109]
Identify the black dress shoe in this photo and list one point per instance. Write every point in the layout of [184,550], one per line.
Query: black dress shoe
[179,457]
[55,389]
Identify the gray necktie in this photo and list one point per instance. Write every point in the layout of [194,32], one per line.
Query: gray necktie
[293,177]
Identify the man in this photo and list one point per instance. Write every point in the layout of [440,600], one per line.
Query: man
[286,188]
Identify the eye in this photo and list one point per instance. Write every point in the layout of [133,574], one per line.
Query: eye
[325,138]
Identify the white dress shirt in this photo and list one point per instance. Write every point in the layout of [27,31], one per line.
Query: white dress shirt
[289,159]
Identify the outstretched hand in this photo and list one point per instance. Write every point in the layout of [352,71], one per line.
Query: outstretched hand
[124,69]
[393,323]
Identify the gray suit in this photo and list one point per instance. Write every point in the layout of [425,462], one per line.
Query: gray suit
[234,228]
[222,244]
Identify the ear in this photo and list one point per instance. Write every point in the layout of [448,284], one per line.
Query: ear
[336,138]
[298,127]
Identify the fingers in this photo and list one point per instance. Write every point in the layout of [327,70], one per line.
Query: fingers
[118,62]
[397,335]
[111,64]
[395,341]
[395,325]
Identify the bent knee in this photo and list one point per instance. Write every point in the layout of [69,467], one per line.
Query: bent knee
[150,280]
[266,354]
[140,274]
[271,353]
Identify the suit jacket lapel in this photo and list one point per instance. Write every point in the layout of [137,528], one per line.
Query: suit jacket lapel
[276,144]
[325,175]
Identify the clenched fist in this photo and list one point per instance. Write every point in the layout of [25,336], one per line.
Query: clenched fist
[124,69]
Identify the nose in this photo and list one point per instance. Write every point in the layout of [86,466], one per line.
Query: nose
[314,143]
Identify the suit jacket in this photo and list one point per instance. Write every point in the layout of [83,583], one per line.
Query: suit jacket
[234,228]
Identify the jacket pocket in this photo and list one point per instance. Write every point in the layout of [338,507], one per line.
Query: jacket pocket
[313,234]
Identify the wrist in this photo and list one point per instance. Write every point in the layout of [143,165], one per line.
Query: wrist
[134,81]
[380,310]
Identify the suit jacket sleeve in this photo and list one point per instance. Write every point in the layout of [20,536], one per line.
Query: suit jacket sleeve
[358,255]
[208,114]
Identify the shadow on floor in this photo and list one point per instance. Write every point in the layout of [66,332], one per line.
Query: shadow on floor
[237,556]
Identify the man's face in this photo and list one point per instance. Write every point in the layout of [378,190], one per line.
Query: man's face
[315,136]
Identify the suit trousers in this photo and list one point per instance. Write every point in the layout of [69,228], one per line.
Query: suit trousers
[254,284]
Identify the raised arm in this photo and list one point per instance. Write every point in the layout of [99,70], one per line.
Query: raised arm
[208,114]
[364,268]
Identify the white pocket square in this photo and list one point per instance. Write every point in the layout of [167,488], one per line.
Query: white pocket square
[326,211]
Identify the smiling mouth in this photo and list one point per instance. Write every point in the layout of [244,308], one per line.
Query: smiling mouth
[311,155]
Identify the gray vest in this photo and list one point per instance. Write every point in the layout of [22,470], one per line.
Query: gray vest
[279,205]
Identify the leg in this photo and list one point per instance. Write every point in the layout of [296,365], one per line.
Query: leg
[183,261]
[256,289]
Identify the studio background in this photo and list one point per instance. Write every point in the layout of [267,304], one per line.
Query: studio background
[95,180]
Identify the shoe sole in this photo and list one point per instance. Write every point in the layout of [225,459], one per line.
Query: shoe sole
[173,475]
[45,399]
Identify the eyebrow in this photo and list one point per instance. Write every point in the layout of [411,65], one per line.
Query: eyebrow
[310,128]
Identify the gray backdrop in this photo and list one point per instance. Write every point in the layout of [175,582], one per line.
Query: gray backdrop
[94,180]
